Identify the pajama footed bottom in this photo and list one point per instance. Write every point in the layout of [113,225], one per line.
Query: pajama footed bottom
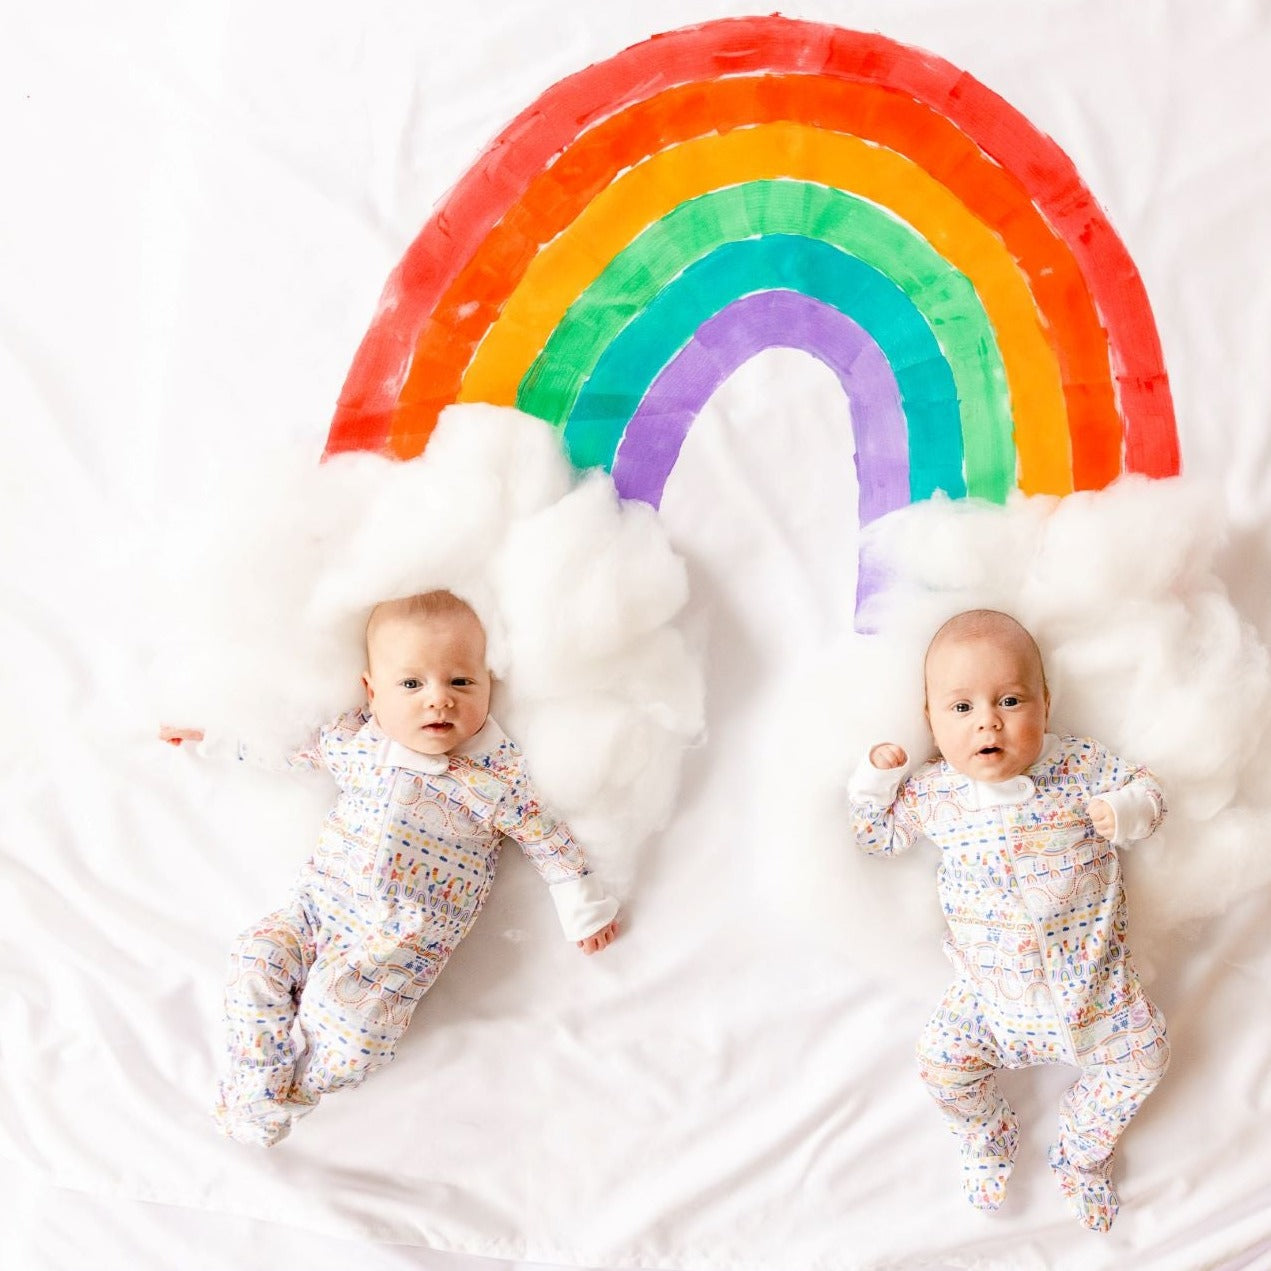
[984,1179]
[257,1122]
[316,999]
[987,1161]
[1089,1190]
[970,1038]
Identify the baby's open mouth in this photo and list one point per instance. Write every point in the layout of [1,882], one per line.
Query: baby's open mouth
[989,750]
[440,727]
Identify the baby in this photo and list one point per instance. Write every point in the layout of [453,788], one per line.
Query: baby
[1030,884]
[320,990]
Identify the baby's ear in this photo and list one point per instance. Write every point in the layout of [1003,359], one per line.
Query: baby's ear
[366,684]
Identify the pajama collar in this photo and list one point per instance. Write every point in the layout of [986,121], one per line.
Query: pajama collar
[392,754]
[988,794]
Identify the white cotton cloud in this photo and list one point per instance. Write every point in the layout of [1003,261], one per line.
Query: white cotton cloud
[587,576]
[266,599]
[1144,650]
[589,589]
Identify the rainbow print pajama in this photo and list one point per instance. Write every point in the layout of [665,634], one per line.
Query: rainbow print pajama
[321,989]
[1036,931]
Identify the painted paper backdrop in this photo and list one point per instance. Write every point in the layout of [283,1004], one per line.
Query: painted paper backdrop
[650,223]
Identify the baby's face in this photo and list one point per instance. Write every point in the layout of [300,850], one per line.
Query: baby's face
[987,705]
[427,682]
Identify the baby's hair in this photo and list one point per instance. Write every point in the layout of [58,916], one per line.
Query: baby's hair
[426,604]
[975,624]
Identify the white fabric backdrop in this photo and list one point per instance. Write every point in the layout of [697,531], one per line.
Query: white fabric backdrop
[202,205]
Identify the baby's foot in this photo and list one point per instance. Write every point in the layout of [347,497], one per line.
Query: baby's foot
[258,1123]
[1089,1191]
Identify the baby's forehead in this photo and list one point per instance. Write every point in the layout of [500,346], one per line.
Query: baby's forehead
[451,633]
[958,652]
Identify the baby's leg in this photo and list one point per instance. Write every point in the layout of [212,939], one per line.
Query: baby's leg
[958,1059]
[1116,1077]
[268,967]
[356,1008]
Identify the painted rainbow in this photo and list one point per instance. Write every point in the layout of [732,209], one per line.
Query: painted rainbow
[650,223]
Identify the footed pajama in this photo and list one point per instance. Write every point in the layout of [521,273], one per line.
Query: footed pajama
[320,991]
[1036,931]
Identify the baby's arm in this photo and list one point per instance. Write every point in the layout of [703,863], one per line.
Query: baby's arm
[306,757]
[217,747]
[1129,803]
[587,913]
[883,822]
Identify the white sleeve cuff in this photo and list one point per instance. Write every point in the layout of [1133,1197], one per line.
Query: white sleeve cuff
[1134,811]
[582,906]
[875,785]
[222,749]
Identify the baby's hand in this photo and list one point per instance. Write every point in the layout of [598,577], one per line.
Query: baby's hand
[175,736]
[1102,817]
[888,755]
[600,939]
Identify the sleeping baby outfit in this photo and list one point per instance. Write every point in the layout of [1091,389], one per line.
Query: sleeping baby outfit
[1036,931]
[320,990]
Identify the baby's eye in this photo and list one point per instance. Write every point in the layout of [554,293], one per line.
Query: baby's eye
[461,681]
[409,684]
[1010,700]
[961,707]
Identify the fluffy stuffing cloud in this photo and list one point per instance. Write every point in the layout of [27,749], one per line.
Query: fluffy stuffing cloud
[1144,651]
[272,579]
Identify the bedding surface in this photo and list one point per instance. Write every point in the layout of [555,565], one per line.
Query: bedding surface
[204,204]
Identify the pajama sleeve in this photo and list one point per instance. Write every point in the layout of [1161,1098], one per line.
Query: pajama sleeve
[1131,791]
[214,746]
[335,746]
[884,809]
[325,748]
[582,905]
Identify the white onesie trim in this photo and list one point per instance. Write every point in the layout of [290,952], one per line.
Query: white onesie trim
[392,754]
[582,906]
[1134,812]
[869,784]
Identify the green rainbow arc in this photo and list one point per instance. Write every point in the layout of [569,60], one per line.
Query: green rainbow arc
[847,224]
[628,367]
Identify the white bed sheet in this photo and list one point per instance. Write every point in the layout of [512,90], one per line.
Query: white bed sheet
[203,204]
